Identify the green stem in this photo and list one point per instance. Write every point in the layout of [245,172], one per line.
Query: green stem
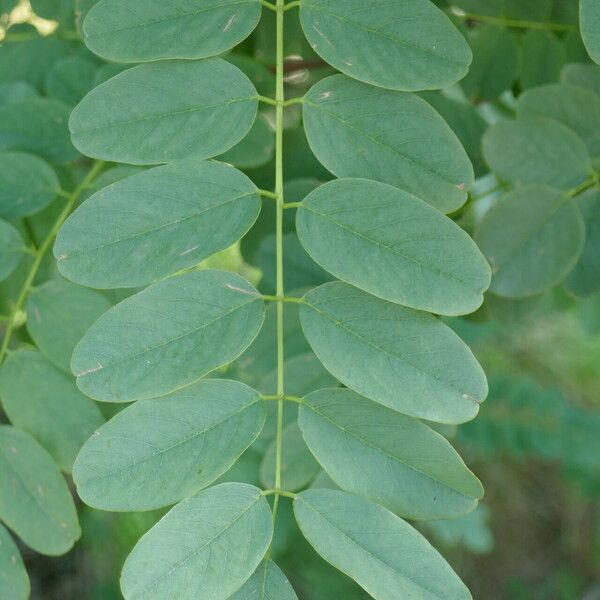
[289,205]
[275,398]
[582,187]
[289,299]
[504,22]
[280,99]
[41,252]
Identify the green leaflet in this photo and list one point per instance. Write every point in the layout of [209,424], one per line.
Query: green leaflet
[27,185]
[532,238]
[409,253]
[168,336]
[542,58]
[183,555]
[396,461]
[15,91]
[39,126]
[12,248]
[256,149]
[582,75]
[495,63]
[589,22]
[584,279]
[147,30]
[398,44]
[164,111]
[383,553]
[43,401]
[70,79]
[14,581]
[300,271]
[58,314]
[402,358]
[576,108]
[303,374]
[466,122]
[157,452]
[299,468]
[537,150]
[30,60]
[34,498]
[156,223]
[267,583]
[357,130]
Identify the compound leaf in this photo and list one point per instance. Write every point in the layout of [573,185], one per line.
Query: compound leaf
[46,403]
[404,359]
[410,253]
[168,336]
[34,498]
[398,44]
[156,223]
[159,112]
[157,452]
[396,461]
[357,130]
[147,30]
[532,238]
[380,551]
[203,549]
[58,314]
[537,150]
[27,185]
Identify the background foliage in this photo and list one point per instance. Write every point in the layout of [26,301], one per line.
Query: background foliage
[527,115]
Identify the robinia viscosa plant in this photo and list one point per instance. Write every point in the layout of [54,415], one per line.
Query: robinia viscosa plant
[333,380]
[380,229]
